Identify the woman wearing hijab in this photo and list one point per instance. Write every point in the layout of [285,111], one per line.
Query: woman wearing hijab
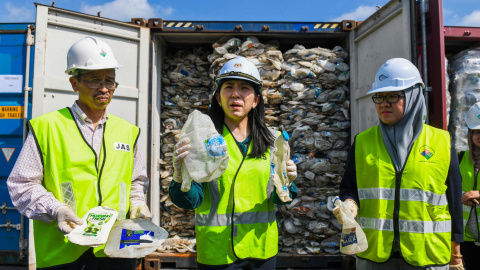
[469,168]
[403,180]
[235,223]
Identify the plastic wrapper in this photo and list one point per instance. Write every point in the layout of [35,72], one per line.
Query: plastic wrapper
[97,223]
[464,86]
[134,238]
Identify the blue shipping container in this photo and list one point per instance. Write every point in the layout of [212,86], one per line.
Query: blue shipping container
[13,56]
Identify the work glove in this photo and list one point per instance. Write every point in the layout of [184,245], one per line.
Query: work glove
[179,153]
[351,205]
[140,211]
[66,219]
[291,170]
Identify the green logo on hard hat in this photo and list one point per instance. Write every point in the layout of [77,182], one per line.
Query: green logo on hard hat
[478,116]
[103,52]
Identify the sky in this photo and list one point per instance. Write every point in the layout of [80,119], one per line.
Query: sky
[455,12]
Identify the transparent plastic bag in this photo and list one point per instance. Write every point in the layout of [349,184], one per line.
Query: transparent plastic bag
[207,158]
[280,157]
[353,239]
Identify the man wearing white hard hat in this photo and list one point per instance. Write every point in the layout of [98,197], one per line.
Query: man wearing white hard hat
[77,158]
[402,180]
[469,167]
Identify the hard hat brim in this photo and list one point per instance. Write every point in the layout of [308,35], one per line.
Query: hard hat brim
[94,67]
[473,127]
[390,89]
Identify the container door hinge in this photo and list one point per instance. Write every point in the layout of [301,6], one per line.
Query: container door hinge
[5,208]
[424,6]
[23,244]
[9,226]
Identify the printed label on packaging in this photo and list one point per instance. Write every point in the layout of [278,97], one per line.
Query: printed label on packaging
[95,223]
[214,146]
[348,239]
[133,238]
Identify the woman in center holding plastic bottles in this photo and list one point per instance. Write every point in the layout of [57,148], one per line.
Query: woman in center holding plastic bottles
[402,178]
[235,222]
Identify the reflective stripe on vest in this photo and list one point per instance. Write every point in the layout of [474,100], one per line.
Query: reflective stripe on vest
[420,212]
[468,175]
[406,225]
[72,172]
[405,195]
[219,241]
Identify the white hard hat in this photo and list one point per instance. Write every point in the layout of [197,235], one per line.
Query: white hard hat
[242,69]
[396,74]
[90,53]
[473,117]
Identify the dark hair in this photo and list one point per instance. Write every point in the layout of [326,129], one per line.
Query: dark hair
[262,137]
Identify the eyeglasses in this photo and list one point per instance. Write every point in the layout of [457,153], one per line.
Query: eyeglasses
[94,84]
[391,98]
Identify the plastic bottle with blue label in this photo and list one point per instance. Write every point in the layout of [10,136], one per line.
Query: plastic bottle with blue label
[353,239]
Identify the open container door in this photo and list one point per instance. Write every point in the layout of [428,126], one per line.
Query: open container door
[385,34]
[56,30]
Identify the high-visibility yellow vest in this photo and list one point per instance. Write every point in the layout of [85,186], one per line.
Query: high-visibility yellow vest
[408,206]
[237,216]
[75,177]
[468,175]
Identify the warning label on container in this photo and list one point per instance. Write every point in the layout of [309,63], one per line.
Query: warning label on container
[11,112]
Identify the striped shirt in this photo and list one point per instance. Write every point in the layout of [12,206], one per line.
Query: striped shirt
[25,181]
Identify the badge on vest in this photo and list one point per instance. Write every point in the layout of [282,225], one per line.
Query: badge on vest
[121,146]
[426,151]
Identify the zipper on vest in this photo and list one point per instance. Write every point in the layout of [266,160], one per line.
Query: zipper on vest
[234,229]
[103,165]
[396,208]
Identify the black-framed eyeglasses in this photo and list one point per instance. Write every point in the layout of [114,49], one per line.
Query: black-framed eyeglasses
[94,84]
[391,98]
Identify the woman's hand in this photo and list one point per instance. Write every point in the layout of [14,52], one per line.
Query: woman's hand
[471,198]
[180,152]
[291,170]
[456,257]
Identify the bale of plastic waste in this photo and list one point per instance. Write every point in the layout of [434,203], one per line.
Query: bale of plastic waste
[464,72]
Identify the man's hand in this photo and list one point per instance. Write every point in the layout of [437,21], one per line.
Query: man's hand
[353,208]
[180,152]
[471,197]
[291,170]
[140,211]
[66,219]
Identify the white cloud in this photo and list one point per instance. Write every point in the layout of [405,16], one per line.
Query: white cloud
[471,20]
[124,10]
[359,14]
[447,12]
[17,13]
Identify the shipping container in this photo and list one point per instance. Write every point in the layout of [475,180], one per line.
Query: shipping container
[394,30]
[16,57]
